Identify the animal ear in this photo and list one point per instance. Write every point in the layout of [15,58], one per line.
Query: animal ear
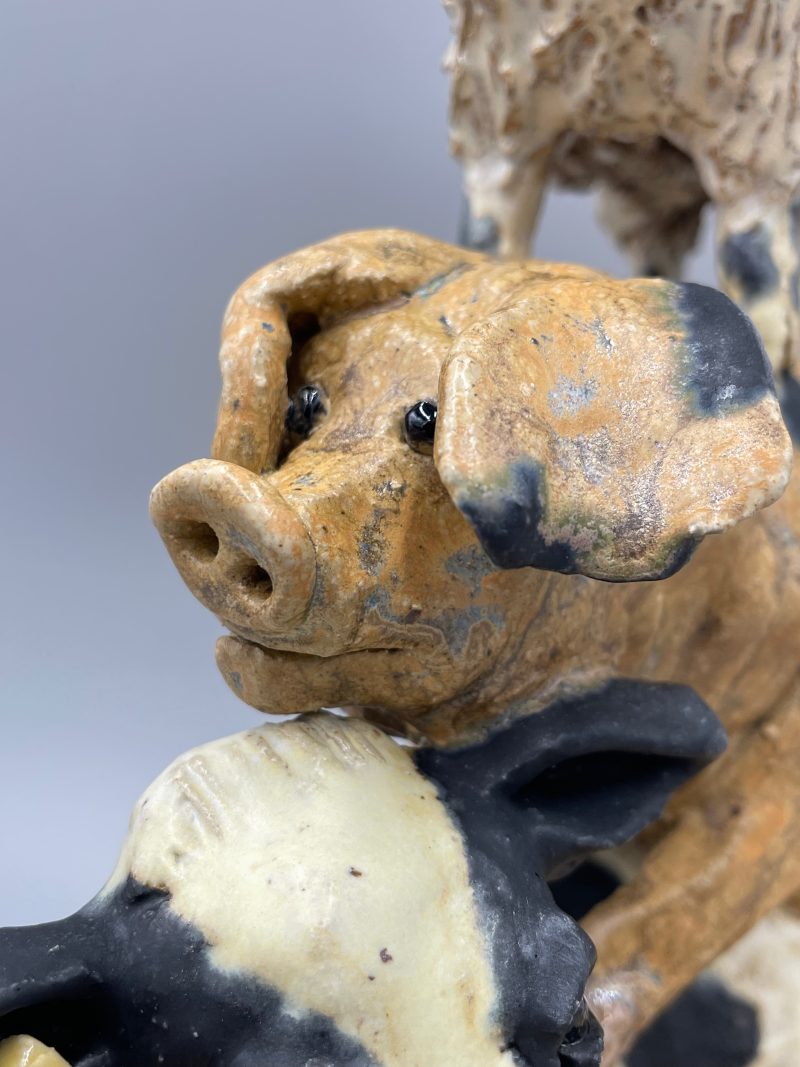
[604,427]
[287,302]
[588,772]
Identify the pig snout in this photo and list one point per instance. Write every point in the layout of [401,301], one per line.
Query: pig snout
[242,551]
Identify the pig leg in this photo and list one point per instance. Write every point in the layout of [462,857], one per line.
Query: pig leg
[732,855]
[503,197]
[650,197]
[758,258]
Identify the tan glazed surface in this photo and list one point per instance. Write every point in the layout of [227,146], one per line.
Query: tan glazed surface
[348,566]
[344,568]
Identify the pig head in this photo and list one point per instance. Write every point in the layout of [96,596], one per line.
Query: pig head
[311,892]
[423,455]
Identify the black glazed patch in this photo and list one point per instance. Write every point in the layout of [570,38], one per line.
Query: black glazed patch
[143,991]
[582,889]
[707,1026]
[585,773]
[727,365]
[679,558]
[541,959]
[747,258]
[790,405]
[507,522]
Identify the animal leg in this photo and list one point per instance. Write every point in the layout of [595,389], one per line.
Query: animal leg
[650,197]
[758,258]
[732,856]
[503,197]
[655,237]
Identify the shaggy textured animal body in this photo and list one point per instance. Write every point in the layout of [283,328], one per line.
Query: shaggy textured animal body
[665,106]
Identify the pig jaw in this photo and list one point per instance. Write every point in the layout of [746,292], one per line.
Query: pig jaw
[380,598]
[427,693]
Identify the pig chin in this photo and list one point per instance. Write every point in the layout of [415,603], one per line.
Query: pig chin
[286,683]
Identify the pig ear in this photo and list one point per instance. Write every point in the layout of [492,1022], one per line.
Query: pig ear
[604,427]
[286,302]
[588,772]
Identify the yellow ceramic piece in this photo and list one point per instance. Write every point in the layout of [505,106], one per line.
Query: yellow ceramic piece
[24,1051]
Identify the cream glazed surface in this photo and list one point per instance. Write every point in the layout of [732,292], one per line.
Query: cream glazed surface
[313,892]
[269,825]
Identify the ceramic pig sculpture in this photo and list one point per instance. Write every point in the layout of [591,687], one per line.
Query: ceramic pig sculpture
[741,1012]
[424,456]
[441,493]
[665,107]
[314,893]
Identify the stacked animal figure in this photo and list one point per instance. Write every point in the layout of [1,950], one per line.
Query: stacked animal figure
[665,108]
[470,502]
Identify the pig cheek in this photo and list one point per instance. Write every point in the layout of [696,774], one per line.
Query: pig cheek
[426,580]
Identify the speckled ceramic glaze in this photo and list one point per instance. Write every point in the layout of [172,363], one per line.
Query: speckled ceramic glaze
[441,490]
[664,106]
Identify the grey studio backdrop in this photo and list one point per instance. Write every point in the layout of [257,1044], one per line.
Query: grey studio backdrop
[156,152]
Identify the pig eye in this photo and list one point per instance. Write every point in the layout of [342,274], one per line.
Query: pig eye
[304,409]
[420,425]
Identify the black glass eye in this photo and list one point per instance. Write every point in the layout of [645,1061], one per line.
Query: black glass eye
[304,409]
[420,425]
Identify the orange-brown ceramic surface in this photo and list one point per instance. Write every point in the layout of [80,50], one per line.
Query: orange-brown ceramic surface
[354,570]
[587,428]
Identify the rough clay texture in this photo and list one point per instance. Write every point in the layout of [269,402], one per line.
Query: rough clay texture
[665,105]
[760,980]
[352,570]
[729,847]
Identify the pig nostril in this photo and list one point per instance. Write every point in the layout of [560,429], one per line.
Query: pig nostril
[257,582]
[242,550]
[201,540]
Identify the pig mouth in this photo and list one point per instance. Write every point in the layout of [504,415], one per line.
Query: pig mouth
[286,682]
[303,654]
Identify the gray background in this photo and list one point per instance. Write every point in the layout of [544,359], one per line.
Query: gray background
[155,153]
